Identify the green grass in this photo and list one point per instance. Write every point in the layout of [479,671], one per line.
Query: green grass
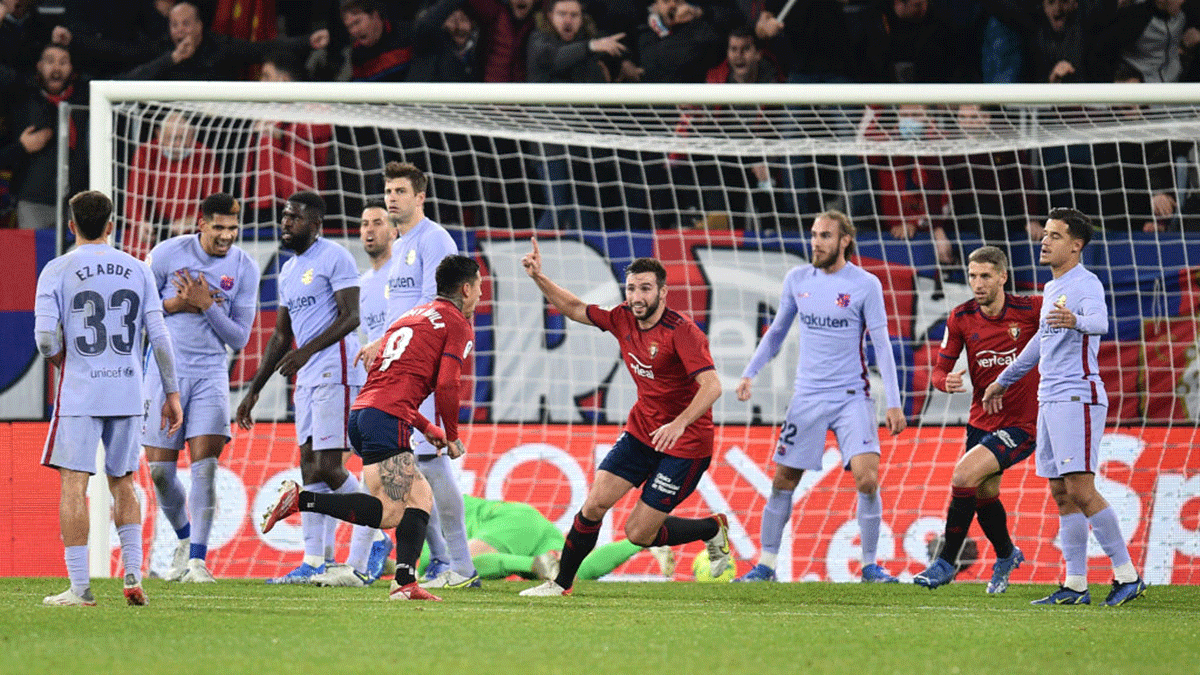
[242,626]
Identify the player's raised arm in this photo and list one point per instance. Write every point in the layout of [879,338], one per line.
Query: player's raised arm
[772,340]
[566,301]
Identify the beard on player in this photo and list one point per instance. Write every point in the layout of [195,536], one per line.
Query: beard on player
[647,309]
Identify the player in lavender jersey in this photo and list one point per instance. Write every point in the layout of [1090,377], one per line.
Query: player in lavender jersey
[1072,407]
[421,246]
[318,306]
[369,546]
[209,290]
[92,305]
[837,303]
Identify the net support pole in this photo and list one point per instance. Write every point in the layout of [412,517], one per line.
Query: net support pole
[100,166]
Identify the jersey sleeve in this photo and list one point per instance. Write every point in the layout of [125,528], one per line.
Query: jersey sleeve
[435,249]
[691,345]
[47,318]
[1091,317]
[459,342]
[875,319]
[151,300]
[234,328]
[603,318]
[952,344]
[343,273]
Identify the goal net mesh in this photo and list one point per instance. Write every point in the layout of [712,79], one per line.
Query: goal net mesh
[723,195]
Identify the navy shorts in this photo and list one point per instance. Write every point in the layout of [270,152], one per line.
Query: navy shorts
[376,435]
[669,480]
[1009,445]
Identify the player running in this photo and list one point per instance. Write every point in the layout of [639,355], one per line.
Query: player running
[668,439]
[423,352]
[993,328]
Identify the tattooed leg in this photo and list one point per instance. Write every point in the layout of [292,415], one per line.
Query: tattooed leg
[398,483]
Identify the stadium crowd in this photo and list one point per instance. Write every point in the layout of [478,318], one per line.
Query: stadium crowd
[51,49]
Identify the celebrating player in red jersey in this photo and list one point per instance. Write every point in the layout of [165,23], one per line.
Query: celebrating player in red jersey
[668,438]
[994,328]
[423,352]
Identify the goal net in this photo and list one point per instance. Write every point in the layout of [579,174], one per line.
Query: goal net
[720,183]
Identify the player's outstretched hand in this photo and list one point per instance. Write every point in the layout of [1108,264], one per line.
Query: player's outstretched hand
[993,398]
[743,389]
[895,421]
[456,449]
[533,260]
[244,420]
[954,382]
[172,413]
[367,352]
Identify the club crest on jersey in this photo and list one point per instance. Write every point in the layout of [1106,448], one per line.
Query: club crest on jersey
[1014,330]
[411,257]
[307,277]
[653,349]
[1061,301]
[843,300]
[226,282]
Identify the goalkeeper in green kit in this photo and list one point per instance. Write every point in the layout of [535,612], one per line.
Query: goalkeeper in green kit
[507,538]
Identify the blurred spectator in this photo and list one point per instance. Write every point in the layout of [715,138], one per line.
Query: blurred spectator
[23,33]
[448,53]
[811,43]
[992,193]
[564,49]
[1149,36]
[253,20]
[678,43]
[505,29]
[107,43]
[911,43]
[1139,192]
[620,16]
[33,157]
[1056,40]
[284,157]
[911,190]
[168,178]
[383,48]
[191,52]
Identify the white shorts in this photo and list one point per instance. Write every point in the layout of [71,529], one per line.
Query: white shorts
[322,415]
[72,443]
[205,402]
[420,446]
[1068,437]
[802,437]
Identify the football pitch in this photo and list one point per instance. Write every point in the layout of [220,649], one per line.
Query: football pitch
[245,626]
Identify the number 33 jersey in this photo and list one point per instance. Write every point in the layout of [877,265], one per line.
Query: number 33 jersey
[100,297]
[422,351]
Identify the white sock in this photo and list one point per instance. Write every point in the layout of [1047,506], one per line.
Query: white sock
[312,524]
[131,548]
[768,559]
[870,515]
[1076,583]
[1125,574]
[76,558]
[448,502]
[203,503]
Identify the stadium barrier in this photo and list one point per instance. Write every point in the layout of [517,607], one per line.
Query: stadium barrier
[1151,478]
